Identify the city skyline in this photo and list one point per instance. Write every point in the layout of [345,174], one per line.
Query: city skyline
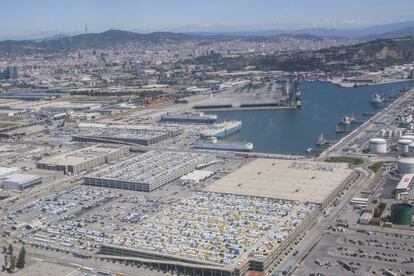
[70,17]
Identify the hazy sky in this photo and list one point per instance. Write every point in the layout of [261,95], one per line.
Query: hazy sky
[30,16]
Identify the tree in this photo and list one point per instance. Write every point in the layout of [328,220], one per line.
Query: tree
[12,264]
[21,260]
[11,250]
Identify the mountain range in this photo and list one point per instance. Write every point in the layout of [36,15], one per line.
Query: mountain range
[393,30]
[111,38]
[372,54]
[355,33]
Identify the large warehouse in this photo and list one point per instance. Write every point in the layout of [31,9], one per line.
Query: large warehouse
[21,181]
[214,234]
[243,222]
[83,159]
[138,134]
[285,179]
[148,171]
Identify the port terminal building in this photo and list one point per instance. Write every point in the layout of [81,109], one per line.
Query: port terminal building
[21,181]
[306,181]
[297,191]
[83,159]
[148,171]
[138,134]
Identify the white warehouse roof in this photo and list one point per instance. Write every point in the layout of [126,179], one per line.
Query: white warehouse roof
[404,182]
[6,172]
[22,178]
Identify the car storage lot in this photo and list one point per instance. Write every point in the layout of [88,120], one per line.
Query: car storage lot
[343,251]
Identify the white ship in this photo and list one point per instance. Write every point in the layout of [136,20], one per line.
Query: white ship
[223,129]
[193,117]
[213,144]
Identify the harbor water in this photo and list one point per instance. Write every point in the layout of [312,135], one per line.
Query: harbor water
[290,131]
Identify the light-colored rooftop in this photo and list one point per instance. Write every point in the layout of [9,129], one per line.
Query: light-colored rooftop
[152,166]
[404,182]
[220,229]
[5,171]
[306,181]
[22,178]
[81,155]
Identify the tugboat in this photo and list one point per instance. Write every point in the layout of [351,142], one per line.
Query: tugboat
[347,120]
[377,99]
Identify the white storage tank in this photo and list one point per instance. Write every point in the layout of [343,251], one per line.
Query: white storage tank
[402,145]
[411,148]
[408,137]
[406,165]
[382,133]
[377,145]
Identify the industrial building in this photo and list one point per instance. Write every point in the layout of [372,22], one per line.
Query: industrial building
[226,235]
[139,134]
[366,217]
[83,159]
[273,199]
[404,185]
[286,179]
[148,171]
[7,172]
[21,181]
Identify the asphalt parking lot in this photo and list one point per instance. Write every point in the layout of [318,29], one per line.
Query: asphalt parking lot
[354,252]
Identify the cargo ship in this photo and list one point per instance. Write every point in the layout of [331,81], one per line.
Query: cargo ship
[213,144]
[222,129]
[193,117]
